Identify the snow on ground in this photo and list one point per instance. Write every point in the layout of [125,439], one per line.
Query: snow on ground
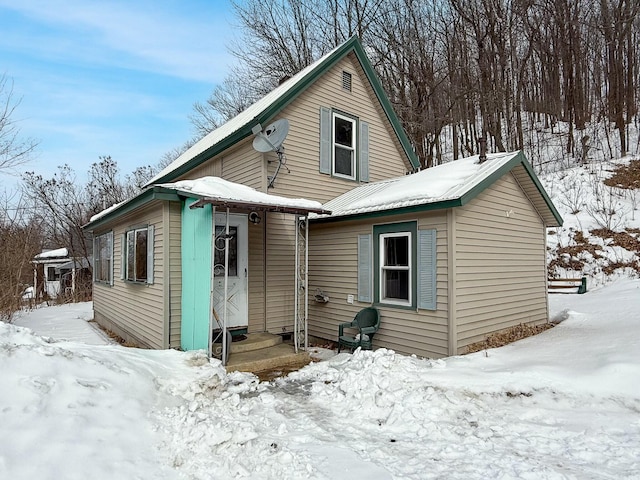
[64,322]
[563,404]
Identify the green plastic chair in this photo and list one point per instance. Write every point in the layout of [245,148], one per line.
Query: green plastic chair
[367,322]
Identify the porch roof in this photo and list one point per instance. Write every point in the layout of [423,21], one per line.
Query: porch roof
[219,192]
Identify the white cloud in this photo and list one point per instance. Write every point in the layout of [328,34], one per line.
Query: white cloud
[176,38]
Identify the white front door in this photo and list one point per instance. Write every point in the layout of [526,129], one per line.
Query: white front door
[238,275]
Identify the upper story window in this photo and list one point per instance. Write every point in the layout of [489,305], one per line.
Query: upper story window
[103,258]
[344,146]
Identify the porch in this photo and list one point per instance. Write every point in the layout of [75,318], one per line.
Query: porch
[262,353]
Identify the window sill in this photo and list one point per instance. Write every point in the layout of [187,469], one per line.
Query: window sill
[344,177]
[395,305]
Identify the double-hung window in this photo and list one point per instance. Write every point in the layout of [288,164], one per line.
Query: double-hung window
[396,276]
[137,255]
[344,145]
[103,258]
[397,266]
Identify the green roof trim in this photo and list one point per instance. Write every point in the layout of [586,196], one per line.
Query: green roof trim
[149,195]
[518,159]
[351,45]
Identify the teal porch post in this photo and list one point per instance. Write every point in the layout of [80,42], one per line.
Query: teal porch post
[197,227]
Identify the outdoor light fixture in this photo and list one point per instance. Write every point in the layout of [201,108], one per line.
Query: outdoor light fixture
[254,218]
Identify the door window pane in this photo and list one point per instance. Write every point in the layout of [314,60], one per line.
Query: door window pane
[218,268]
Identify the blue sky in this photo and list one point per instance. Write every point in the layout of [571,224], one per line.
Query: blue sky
[112,78]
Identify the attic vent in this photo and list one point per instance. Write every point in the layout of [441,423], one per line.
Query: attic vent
[346,81]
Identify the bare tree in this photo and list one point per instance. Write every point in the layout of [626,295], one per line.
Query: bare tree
[20,241]
[14,150]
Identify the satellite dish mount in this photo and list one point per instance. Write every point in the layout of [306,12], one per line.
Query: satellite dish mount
[270,140]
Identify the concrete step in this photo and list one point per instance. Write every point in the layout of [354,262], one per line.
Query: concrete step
[269,358]
[255,341]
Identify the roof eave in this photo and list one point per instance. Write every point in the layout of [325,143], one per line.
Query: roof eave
[245,205]
[150,194]
[425,207]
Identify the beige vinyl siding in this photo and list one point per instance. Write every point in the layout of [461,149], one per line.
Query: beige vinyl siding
[302,178]
[134,311]
[302,146]
[256,288]
[210,168]
[500,263]
[280,272]
[333,268]
[239,164]
[175,273]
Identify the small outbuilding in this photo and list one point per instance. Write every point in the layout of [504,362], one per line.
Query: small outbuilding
[57,274]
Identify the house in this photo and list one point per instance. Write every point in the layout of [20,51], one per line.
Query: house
[230,233]
[153,253]
[56,274]
[448,255]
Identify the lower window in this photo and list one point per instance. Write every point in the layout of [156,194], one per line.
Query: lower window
[395,267]
[103,258]
[138,255]
[395,263]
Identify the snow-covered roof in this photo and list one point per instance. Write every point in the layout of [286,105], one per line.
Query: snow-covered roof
[57,253]
[453,181]
[105,211]
[220,191]
[242,119]
[268,106]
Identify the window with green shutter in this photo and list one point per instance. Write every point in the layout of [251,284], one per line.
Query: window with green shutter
[344,145]
[397,266]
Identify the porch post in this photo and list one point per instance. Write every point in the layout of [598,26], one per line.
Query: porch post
[212,273]
[301,299]
[296,288]
[306,282]
[226,290]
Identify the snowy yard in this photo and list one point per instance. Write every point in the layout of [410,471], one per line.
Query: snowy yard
[564,404]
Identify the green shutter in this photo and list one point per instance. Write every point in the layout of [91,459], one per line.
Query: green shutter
[96,259]
[123,256]
[364,151]
[110,237]
[365,276]
[427,269]
[325,140]
[150,232]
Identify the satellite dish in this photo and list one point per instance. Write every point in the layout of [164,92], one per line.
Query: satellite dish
[271,138]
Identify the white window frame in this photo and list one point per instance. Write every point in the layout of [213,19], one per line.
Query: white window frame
[133,233]
[352,149]
[103,253]
[385,268]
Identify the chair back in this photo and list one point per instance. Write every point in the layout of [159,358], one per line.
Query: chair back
[368,317]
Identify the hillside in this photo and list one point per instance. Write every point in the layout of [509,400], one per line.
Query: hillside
[600,204]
